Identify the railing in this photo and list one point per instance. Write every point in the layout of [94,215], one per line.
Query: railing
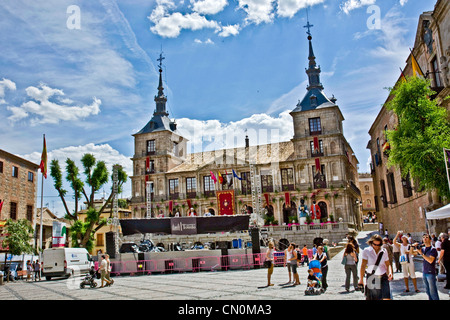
[308,227]
[195,264]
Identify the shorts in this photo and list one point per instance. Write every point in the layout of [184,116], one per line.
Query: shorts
[409,270]
[294,267]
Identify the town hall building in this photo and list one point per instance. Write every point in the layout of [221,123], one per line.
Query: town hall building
[316,167]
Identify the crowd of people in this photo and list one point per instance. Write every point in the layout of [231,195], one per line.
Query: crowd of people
[375,263]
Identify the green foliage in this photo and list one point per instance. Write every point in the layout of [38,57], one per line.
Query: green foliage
[96,175]
[18,236]
[423,130]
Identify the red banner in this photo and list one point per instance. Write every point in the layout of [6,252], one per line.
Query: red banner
[266,195]
[287,199]
[188,203]
[318,168]
[170,206]
[316,144]
[225,202]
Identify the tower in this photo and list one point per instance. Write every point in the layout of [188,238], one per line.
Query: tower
[158,147]
[319,144]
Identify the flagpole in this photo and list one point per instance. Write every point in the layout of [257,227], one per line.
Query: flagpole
[42,213]
[446,167]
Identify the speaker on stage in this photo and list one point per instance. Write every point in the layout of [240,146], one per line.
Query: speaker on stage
[111,244]
[256,246]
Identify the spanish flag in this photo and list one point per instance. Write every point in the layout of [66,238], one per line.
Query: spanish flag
[402,77]
[220,178]
[43,164]
[417,71]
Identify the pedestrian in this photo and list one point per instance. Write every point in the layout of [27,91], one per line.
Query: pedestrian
[325,248]
[377,270]
[270,263]
[396,253]
[108,270]
[314,249]
[29,270]
[305,255]
[287,259]
[322,258]
[103,270]
[438,244]
[444,256]
[294,264]
[349,261]
[429,254]
[389,250]
[406,259]
[37,270]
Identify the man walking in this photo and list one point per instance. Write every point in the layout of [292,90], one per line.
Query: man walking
[379,270]
[429,254]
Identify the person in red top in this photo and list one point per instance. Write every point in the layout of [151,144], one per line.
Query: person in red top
[315,211]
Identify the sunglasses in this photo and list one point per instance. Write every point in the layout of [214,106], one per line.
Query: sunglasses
[376,244]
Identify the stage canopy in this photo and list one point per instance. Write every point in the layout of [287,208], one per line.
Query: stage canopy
[185,225]
[441,213]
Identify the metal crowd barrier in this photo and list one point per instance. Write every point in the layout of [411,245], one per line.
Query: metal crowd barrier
[194,264]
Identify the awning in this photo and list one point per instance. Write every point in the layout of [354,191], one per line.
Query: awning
[441,213]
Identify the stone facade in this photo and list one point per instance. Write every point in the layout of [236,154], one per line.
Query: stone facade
[368,203]
[18,187]
[287,169]
[402,205]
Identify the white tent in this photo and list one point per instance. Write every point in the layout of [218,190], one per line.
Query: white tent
[441,213]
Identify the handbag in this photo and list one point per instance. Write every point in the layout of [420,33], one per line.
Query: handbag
[344,260]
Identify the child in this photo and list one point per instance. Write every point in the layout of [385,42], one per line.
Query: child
[312,279]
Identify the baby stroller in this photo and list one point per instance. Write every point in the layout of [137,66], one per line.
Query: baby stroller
[315,266]
[89,279]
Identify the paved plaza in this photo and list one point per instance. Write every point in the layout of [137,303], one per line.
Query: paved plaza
[218,285]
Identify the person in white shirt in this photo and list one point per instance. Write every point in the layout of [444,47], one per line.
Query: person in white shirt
[406,250]
[377,278]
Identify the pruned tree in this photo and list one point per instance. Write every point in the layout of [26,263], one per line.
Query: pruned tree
[96,176]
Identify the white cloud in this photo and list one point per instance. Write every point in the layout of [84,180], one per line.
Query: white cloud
[46,111]
[208,6]
[403,2]
[350,5]
[230,30]
[258,11]
[208,41]
[6,84]
[208,135]
[171,25]
[288,8]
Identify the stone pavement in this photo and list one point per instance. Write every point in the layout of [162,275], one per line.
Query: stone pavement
[219,285]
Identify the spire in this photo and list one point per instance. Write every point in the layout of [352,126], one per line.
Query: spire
[313,71]
[160,99]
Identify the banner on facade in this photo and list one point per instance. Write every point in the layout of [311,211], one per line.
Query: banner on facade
[183,225]
[225,202]
[59,234]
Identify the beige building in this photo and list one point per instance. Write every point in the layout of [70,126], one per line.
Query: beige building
[402,205]
[47,228]
[368,204]
[316,164]
[100,234]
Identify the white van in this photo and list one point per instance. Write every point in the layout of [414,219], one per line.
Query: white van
[65,262]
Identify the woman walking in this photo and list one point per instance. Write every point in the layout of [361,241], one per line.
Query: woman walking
[287,260]
[270,259]
[322,257]
[294,264]
[350,260]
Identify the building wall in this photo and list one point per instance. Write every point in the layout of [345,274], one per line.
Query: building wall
[18,190]
[408,212]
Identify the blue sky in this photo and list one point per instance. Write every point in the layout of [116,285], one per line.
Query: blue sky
[230,65]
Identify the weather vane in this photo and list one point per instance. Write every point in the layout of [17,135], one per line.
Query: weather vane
[308,25]
[160,59]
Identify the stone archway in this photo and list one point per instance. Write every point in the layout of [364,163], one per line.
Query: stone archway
[323,210]
[290,211]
